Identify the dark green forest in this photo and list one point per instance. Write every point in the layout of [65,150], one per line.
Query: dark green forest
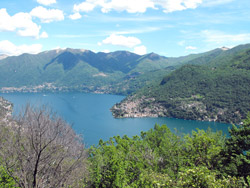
[217,90]
[39,149]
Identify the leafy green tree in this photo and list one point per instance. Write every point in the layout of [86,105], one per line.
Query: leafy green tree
[160,158]
[6,181]
[237,151]
[203,177]
[119,161]
[168,147]
[203,148]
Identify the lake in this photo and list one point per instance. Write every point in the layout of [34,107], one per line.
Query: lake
[90,116]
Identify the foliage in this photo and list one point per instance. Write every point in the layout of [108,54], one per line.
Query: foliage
[6,181]
[202,148]
[160,158]
[217,91]
[119,72]
[203,177]
[118,162]
[74,69]
[237,151]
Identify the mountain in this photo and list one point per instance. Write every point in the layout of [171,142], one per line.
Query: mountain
[206,86]
[3,56]
[119,72]
[214,86]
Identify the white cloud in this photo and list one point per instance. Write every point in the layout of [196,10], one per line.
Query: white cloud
[222,38]
[86,6]
[44,35]
[47,15]
[181,43]
[75,16]
[21,23]
[120,40]
[46,2]
[190,48]
[210,3]
[130,6]
[136,31]
[137,6]
[8,48]
[141,6]
[106,51]
[141,50]
[177,5]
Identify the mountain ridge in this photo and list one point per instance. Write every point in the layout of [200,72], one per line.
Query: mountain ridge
[78,69]
[217,90]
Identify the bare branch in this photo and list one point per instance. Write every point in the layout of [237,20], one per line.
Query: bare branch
[43,150]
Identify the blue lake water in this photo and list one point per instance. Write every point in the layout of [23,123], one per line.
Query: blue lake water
[90,116]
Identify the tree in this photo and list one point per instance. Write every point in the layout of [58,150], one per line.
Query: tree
[168,147]
[5,180]
[203,148]
[237,151]
[40,149]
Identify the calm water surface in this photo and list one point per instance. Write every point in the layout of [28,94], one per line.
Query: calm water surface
[90,115]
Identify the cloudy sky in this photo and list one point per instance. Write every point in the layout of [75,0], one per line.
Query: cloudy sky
[167,27]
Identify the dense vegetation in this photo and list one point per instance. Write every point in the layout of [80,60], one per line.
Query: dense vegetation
[160,158]
[39,149]
[218,90]
[82,70]
[119,72]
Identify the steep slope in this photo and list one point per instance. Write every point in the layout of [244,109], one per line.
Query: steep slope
[119,72]
[74,69]
[217,91]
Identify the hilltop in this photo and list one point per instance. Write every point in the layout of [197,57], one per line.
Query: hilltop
[119,72]
[212,87]
[80,70]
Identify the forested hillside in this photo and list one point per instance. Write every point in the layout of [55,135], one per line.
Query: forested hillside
[216,91]
[80,70]
[210,86]
[119,72]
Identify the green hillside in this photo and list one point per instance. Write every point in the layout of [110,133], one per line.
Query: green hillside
[216,91]
[119,72]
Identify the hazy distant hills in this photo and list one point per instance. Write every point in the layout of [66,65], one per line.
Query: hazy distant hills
[212,86]
[75,69]
[119,72]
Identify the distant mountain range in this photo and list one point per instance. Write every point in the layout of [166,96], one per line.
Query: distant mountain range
[208,86]
[119,72]
[214,86]
[75,69]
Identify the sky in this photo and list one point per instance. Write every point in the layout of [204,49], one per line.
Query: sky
[170,28]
